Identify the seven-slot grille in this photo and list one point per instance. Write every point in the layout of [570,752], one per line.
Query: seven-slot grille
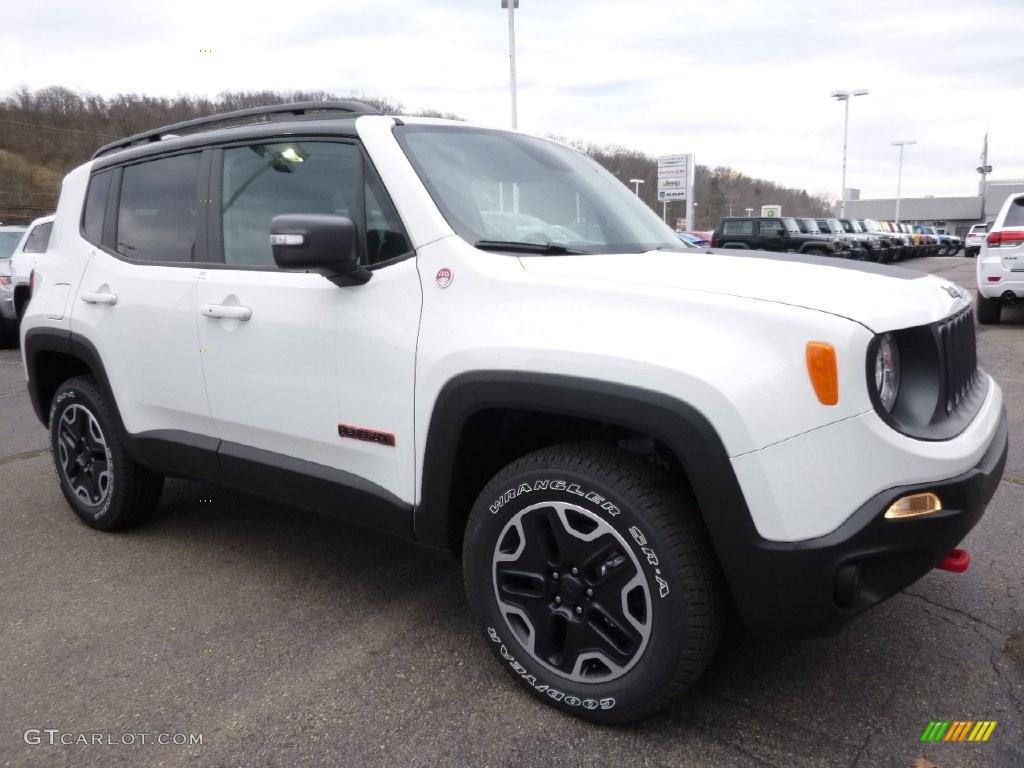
[959,357]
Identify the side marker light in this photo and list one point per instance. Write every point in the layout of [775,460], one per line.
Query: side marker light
[824,371]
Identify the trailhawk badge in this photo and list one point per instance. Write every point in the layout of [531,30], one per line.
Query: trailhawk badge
[444,277]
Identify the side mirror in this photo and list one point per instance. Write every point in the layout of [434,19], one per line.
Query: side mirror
[318,242]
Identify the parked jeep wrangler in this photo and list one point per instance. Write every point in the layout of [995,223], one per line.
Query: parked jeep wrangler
[483,342]
[780,234]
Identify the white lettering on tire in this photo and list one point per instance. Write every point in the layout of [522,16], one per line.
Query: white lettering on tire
[553,693]
[555,485]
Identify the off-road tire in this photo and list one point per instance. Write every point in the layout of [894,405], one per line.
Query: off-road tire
[612,629]
[103,485]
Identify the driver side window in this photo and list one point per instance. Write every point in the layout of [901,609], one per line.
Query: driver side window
[262,181]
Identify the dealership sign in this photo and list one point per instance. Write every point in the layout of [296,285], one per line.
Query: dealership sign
[673,177]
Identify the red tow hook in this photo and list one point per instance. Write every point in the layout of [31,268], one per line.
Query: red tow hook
[957,561]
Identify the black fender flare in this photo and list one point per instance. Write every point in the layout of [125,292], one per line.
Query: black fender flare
[65,342]
[678,425]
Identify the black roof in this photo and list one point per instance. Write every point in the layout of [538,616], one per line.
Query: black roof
[252,117]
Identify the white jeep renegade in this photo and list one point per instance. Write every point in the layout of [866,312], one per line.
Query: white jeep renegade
[484,342]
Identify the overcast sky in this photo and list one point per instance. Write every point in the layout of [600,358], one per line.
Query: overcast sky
[740,83]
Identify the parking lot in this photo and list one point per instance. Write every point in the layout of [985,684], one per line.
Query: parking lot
[233,632]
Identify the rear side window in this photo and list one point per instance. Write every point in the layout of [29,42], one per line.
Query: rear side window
[738,227]
[156,219]
[1015,213]
[95,207]
[38,239]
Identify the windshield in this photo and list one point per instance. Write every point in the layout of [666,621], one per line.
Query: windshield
[809,226]
[9,241]
[835,227]
[506,191]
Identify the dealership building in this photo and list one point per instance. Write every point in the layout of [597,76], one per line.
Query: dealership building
[952,215]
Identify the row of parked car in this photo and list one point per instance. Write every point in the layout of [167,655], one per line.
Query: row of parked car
[860,239]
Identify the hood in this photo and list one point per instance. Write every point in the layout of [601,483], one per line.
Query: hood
[881,298]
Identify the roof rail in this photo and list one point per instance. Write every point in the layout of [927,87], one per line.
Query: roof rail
[297,109]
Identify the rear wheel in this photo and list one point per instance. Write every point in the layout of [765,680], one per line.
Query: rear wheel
[989,310]
[592,579]
[105,487]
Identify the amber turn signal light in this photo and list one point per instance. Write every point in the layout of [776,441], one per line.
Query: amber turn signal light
[823,370]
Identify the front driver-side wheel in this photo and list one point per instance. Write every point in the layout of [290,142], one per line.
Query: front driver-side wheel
[591,576]
[105,487]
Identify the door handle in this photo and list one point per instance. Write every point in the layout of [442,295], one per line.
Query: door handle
[92,297]
[227,313]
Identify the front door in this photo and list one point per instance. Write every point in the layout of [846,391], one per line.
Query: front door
[302,373]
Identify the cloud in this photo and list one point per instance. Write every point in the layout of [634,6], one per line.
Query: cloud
[743,83]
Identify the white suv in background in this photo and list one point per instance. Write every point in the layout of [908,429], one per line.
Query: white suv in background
[975,239]
[32,246]
[1001,262]
[484,342]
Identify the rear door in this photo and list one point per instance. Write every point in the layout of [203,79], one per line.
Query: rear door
[770,235]
[136,300]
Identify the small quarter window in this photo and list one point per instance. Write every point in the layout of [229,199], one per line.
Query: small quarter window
[95,207]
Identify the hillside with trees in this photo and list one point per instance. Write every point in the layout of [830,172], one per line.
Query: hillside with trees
[47,132]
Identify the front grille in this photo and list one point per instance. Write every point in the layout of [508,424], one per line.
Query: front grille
[959,355]
[941,387]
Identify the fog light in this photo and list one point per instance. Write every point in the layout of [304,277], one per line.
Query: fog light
[914,506]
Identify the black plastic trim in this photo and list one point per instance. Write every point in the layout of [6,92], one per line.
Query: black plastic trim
[680,426]
[815,587]
[302,109]
[39,340]
[315,487]
[326,128]
[178,453]
[920,408]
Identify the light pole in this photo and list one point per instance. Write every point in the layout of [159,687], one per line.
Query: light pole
[846,96]
[695,224]
[512,51]
[636,185]
[899,174]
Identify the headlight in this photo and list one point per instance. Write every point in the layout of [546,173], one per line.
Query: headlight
[887,372]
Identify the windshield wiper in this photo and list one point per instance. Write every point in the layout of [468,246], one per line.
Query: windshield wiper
[520,247]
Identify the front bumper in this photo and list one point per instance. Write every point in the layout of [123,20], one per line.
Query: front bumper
[815,586]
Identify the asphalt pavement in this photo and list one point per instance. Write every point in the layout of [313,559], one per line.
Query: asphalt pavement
[233,632]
